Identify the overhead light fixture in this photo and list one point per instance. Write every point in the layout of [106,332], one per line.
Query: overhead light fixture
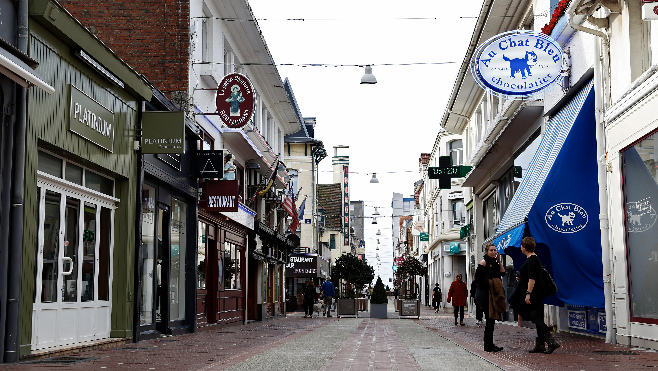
[374,178]
[376,212]
[379,232]
[374,220]
[368,78]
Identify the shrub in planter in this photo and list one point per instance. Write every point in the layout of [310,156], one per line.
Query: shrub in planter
[379,293]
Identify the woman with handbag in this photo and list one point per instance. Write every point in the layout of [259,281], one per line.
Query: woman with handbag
[530,275]
[490,293]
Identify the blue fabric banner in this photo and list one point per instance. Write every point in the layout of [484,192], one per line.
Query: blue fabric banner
[565,215]
[510,238]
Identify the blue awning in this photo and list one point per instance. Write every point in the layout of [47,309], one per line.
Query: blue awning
[510,238]
[559,197]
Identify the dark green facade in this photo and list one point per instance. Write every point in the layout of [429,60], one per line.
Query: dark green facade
[55,37]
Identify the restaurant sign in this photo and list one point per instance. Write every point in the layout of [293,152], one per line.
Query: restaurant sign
[208,164]
[302,265]
[235,100]
[91,120]
[517,64]
[163,132]
[219,195]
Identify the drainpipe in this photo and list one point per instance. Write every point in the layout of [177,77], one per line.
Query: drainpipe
[15,270]
[600,75]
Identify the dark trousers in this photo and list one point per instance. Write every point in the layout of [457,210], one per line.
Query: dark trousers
[459,310]
[537,317]
[308,308]
[478,312]
[488,332]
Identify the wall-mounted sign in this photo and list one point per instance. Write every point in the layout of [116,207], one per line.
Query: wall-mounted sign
[424,236]
[208,164]
[517,64]
[346,206]
[235,100]
[163,132]
[219,195]
[90,120]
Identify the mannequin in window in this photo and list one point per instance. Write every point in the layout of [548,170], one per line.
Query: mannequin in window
[229,168]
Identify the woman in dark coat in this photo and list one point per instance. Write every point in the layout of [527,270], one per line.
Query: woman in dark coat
[309,299]
[489,272]
[532,306]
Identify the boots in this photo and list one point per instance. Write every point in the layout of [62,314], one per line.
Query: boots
[539,346]
[552,344]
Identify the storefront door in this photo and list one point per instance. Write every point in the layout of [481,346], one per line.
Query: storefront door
[74,266]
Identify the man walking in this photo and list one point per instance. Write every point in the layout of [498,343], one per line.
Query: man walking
[436,298]
[328,290]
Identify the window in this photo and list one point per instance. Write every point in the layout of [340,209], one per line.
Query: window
[332,241]
[205,34]
[177,261]
[201,257]
[61,168]
[458,213]
[232,259]
[456,152]
[640,187]
[490,215]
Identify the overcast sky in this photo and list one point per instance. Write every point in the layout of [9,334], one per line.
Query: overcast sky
[389,124]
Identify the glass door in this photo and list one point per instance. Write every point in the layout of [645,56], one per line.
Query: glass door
[161,269]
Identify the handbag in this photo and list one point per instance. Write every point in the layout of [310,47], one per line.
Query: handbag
[548,285]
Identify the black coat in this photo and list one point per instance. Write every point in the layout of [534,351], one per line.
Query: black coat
[309,294]
[483,273]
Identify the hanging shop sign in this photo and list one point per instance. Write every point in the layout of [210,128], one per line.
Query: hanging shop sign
[235,100]
[302,265]
[208,164]
[219,196]
[424,236]
[346,206]
[163,132]
[517,64]
[91,120]
[649,10]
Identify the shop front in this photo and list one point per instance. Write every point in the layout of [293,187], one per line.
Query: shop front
[301,269]
[165,253]
[80,188]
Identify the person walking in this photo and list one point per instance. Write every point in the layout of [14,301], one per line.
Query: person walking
[490,294]
[528,298]
[329,293]
[478,310]
[436,297]
[309,299]
[458,293]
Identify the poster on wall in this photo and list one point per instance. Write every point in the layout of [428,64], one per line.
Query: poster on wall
[517,64]
[235,100]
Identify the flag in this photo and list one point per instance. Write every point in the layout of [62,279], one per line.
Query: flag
[289,206]
[301,210]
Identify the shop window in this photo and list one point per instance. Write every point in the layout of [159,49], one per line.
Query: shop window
[73,173]
[49,164]
[104,257]
[232,263]
[148,263]
[640,182]
[89,251]
[99,183]
[177,262]
[201,257]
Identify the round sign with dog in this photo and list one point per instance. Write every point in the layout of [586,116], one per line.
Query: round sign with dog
[517,64]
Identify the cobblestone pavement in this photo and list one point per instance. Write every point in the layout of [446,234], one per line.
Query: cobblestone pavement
[577,351]
[327,344]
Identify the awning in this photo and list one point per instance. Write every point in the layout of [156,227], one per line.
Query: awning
[559,197]
[24,75]
[239,141]
[262,145]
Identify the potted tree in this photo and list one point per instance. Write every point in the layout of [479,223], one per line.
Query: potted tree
[408,269]
[356,273]
[379,300]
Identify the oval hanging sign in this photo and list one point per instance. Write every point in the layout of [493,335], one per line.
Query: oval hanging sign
[517,64]
[235,100]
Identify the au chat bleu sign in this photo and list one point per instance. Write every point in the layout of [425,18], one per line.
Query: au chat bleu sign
[517,64]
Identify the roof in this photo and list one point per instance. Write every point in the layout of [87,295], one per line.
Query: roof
[330,197]
[302,135]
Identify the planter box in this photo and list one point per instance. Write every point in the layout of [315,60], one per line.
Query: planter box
[409,308]
[346,307]
[378,310]
[363,304]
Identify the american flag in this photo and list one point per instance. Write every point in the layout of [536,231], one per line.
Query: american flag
[289,206]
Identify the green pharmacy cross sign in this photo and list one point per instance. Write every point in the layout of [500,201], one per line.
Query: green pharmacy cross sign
[445,172]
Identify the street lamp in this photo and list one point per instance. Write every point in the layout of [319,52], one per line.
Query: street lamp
[374,178]
[368,77]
